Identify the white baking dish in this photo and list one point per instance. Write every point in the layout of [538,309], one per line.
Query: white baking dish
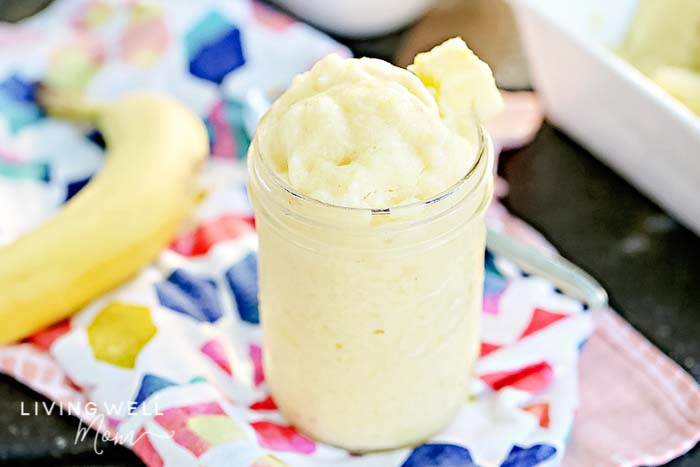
[608,106]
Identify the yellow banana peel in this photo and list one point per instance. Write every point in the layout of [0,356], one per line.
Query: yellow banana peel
[115,225]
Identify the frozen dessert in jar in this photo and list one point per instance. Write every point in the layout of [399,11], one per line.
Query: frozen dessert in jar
[369,184]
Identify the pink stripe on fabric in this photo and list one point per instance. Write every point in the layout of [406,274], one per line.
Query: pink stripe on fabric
[637,406]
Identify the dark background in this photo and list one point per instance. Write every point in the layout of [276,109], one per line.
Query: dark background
[649,264]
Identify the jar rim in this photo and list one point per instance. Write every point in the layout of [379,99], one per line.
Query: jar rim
[481,156]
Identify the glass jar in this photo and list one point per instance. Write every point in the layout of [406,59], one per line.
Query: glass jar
[370,316]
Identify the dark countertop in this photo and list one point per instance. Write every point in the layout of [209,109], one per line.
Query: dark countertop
[647,262]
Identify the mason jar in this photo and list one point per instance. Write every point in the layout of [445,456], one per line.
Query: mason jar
[370,317]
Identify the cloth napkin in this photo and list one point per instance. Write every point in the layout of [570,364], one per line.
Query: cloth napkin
[637,406]
[189,359]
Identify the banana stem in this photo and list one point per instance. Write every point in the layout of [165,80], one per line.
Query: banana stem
[63,105]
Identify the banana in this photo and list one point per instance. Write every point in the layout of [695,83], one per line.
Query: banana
[681,83]
[117,223]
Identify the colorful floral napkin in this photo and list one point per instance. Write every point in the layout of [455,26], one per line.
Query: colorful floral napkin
[170,363]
